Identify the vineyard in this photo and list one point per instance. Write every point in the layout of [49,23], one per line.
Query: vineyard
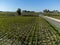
[19,30]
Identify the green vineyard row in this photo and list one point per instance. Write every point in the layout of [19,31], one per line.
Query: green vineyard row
[27,31]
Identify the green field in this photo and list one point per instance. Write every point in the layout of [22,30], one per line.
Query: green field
[19,30]
[58,17]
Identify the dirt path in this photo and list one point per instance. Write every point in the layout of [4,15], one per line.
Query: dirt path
[54,21]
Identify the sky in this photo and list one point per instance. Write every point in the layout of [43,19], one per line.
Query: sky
[32,5]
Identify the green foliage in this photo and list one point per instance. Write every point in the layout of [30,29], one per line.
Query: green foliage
[19,11]
[51,13]
[22,30]
[8,13]
[23,13]
[46,11]
[29,13]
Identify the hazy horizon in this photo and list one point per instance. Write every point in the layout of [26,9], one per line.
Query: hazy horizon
[32,5]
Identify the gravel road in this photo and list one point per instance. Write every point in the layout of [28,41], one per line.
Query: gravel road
[54,21]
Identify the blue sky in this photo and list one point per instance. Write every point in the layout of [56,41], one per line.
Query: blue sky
[34,5]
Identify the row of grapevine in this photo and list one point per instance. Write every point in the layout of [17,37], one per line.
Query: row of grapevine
[27,31]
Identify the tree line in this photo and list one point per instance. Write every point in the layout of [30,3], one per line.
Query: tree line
[26,13]
[51,13]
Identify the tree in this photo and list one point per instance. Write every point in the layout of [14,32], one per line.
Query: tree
[19,11]
[46,11]
[24,11]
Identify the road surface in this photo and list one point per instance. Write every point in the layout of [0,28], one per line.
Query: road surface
[54,21]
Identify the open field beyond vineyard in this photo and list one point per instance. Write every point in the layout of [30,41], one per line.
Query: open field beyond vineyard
[19,30]
[57,17]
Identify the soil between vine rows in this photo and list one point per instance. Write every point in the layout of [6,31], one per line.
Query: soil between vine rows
[27,31]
